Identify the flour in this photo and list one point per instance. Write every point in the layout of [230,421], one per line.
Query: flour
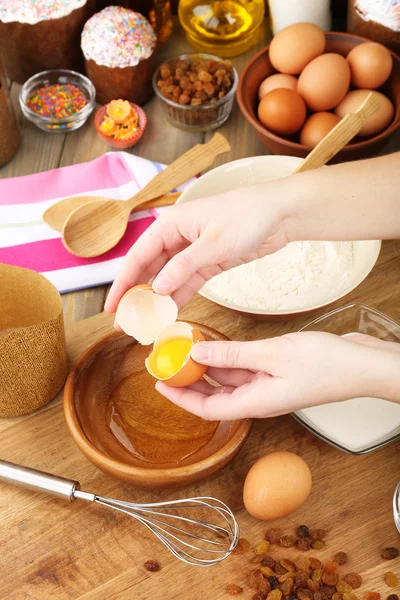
[299,276]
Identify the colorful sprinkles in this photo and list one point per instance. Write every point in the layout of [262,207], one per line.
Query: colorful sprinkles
[118,37]
[57,100]
[33,11]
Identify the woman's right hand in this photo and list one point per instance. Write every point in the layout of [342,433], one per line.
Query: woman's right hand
[192,242]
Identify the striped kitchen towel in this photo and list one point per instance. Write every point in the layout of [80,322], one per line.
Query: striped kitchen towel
[26,241]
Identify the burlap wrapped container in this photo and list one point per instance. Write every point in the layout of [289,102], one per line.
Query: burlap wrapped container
[33,357]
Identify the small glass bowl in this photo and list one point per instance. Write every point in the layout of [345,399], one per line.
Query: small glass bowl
[61,76]
[196,118]
[353,318]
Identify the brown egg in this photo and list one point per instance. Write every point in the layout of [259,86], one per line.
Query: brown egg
[317,127]
[282,111]
[370,65]
[278,80]
[276,485]
[295,46]
[324,82]
[377,122]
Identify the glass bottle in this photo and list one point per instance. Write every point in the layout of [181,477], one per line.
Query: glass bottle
[222,27]
[9,132]
[157,12]
[287,12]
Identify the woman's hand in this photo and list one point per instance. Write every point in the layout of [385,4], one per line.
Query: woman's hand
[190,243]
[279,375]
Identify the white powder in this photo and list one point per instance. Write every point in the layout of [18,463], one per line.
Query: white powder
[299,276]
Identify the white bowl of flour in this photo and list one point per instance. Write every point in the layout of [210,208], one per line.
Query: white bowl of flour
[300,278]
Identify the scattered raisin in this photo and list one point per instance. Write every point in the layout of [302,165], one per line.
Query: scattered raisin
[242,546]
[287,564]
[268,561]
[300,579]
[317,575]
[303,531]
[303,564]
[318,534]
[264,587]
[318,596]
[391,579]
[151,565]
[255,579]
[318,544]
[273,582]
[328,590]
[259,597]
[256,559]
[262,547]
[285,577]
[331,566]
[349,596]
[287,586]
[291,596]
[342,587]
[274,595]
[304,594]
[313,585]
[390,553]
[279,570]
[234,589]
[372,596]
[392,597]
[303,545]
[287,541]
[315,563]
[337,596]
[330,578]
[266,571]
[341,558]
[273,535]
[353,579]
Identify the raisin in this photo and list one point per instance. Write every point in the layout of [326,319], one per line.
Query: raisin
[273,535]
[303,545]
[273,582]
[392,597]
[262,547]
[264,587]
[279,570]
[349,596]
[315,563]
[256,559]
[266,571]
[318,534]
[268,561]
[291,596]
[331,566]
[303,594]
[390,553]
[313,585]
[300,579]
[330,578]
[242,546]
[259,597]
[318,544]
[286,576]
[353,579]
[234,589]
[303,564]
[287,541]
[341,558]
[372,596]
[318,596]
[151,565]
[274,595]
[342,587]
[328,590]
[255,579]
[287,564]
[287,586]
[337,596]
[317,575]
[303,531]
[391,579]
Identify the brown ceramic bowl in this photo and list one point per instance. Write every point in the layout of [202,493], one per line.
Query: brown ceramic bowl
[129,431]
[259,67]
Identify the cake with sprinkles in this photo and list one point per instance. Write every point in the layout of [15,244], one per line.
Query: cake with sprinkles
[118,45]
[37,35]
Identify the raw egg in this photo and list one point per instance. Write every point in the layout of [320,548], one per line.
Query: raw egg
[151,319]
[278,80]
[276,485]
[282,111]
[295,46]
[370,65]
[324,82]
[317,127]
[376,122]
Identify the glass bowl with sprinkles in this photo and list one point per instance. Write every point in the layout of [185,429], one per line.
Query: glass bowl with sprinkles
[58,100]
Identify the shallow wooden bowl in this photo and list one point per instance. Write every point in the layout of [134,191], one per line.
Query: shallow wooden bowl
[131,432]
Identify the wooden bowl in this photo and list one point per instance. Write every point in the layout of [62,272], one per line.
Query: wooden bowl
[131,432]
[260,67]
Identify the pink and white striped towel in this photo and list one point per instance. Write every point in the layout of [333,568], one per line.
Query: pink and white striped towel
[26,241]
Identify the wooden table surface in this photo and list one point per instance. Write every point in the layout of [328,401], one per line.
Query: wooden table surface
[50,550]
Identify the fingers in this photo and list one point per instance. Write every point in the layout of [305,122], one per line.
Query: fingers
[234,355]
[231,377]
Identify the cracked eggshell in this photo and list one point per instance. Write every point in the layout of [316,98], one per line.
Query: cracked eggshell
[191,371]
[143,314]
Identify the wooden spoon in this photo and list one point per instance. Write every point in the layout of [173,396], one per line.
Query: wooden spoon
[96,227]
[56,215]
[340,135]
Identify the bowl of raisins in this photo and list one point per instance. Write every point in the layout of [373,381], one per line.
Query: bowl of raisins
[196,90]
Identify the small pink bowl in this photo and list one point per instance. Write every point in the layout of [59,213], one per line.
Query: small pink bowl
[128,142]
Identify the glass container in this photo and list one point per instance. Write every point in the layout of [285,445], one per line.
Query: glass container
[223,27]
[157,12]
[9,132]
[283,13]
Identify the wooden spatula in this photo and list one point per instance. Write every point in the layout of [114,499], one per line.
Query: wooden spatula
[96,227]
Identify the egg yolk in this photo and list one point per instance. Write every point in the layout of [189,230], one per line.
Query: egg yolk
[171,356]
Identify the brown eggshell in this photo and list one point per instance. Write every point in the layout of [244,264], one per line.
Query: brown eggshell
[295,46]
[376,122]
[273,82]
[317,127]
[324,82]
[276,485]
[191,371]
[370,65]
[282,111]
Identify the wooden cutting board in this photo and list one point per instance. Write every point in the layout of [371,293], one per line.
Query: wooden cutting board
[51,550]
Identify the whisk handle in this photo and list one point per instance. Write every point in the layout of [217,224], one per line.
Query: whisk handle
[38,480]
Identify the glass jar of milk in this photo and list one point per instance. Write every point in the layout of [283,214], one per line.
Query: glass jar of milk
[286,12]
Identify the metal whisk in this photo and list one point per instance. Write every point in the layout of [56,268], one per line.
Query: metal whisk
[396,507]
[193,540]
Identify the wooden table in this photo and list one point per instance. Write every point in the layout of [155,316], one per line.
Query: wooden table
[50,550]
